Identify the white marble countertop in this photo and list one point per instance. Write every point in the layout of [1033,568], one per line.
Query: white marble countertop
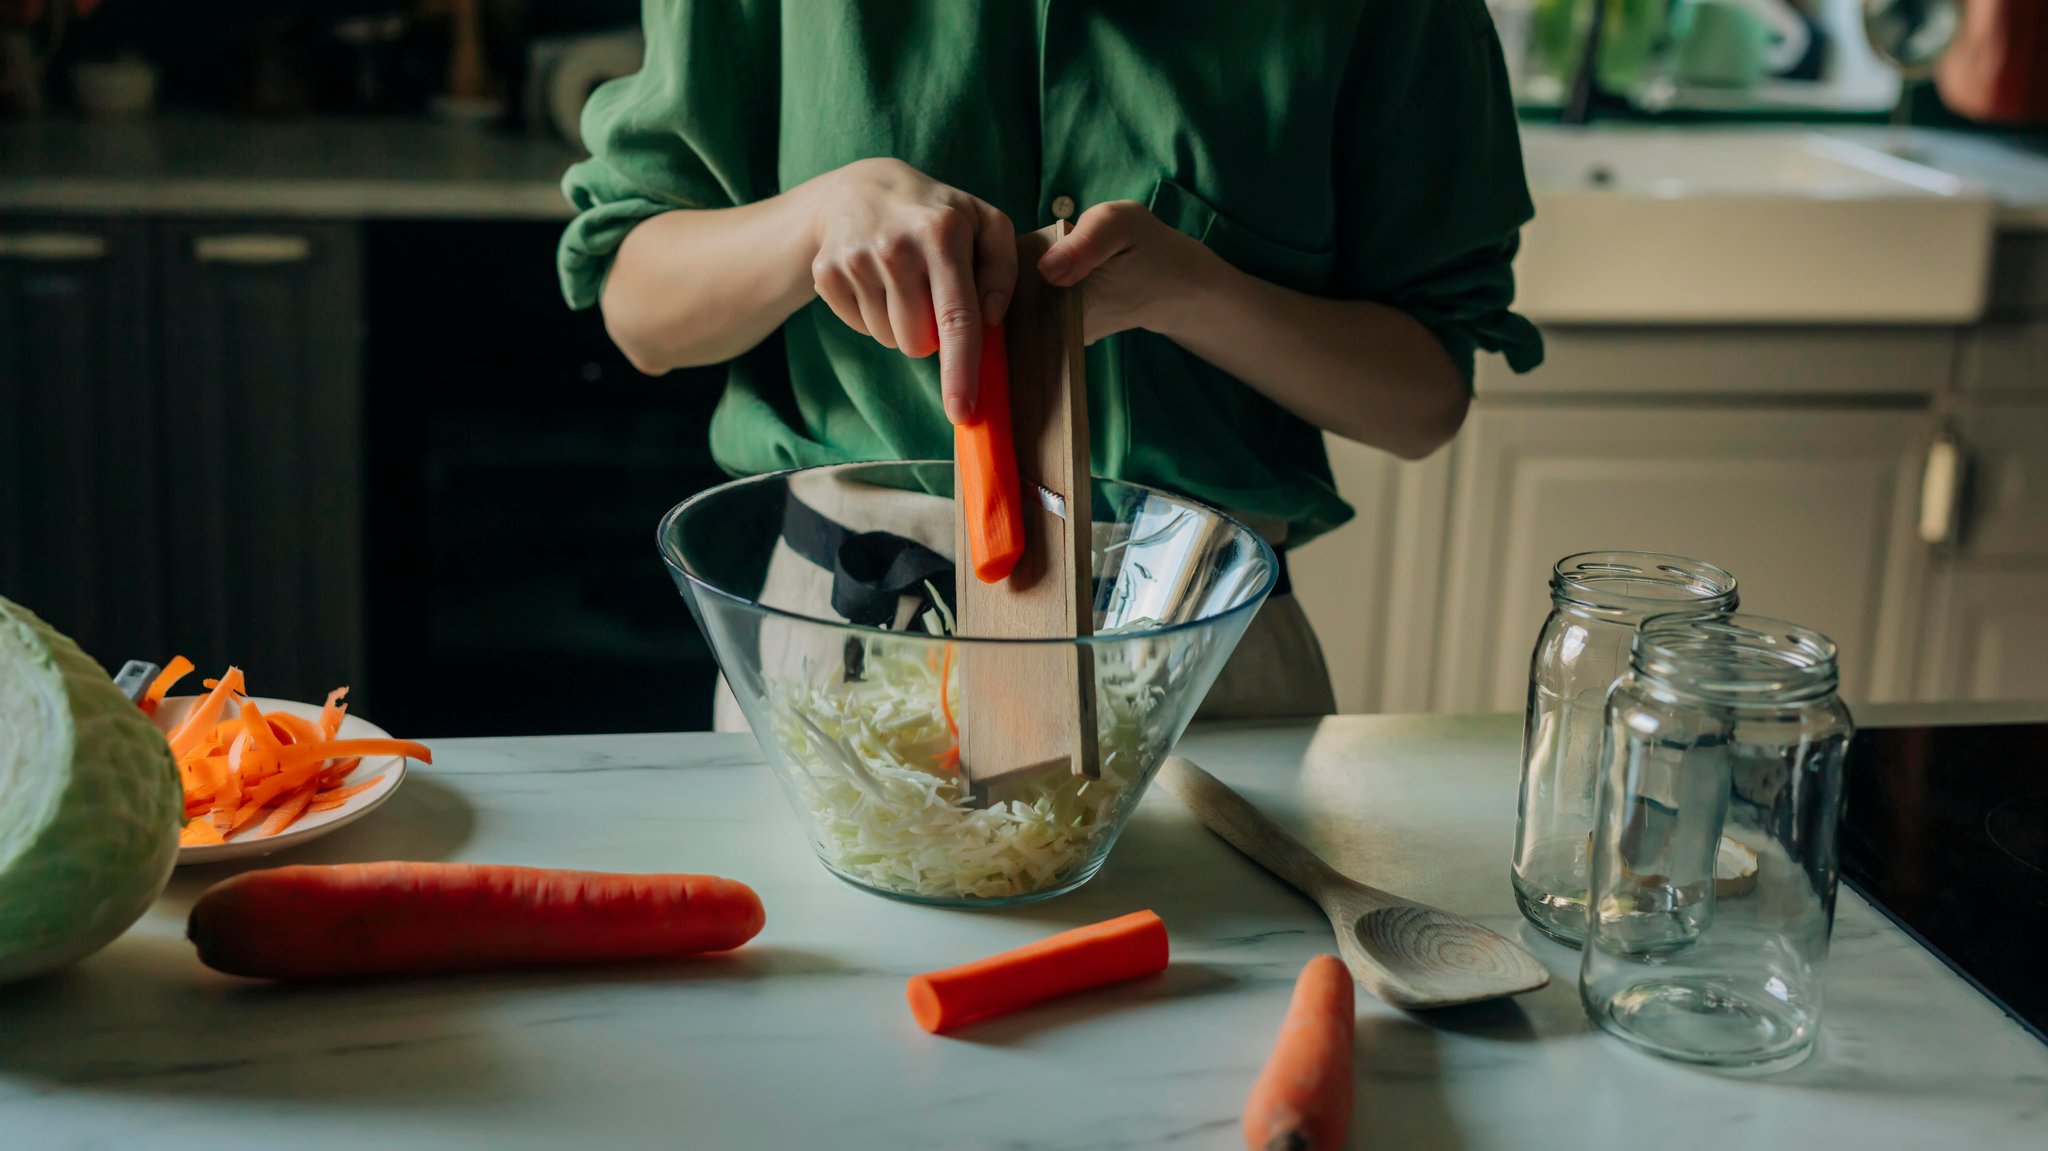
[803,1039]
[181,164]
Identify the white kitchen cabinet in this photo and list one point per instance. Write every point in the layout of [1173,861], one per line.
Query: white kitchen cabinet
[1986,624]
[1987,636]
[1370,587]
[1812,509]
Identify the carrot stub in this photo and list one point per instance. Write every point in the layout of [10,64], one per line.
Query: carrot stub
[986,451]
[368,919]
[1112,951]
[1302,1100]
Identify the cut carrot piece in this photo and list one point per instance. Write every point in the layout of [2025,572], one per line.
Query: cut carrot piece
[339,770]
[324,800]
[1086,957]
[985,453]
[199,832]
[177,669]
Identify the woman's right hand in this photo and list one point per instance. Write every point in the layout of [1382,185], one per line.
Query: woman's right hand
[916,264]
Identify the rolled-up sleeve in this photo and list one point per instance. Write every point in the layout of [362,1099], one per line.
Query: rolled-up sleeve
[1432,192]
[692,129]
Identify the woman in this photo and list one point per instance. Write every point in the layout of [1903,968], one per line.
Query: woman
[1287,219]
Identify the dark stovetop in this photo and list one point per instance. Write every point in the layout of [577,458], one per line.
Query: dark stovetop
[1946,830]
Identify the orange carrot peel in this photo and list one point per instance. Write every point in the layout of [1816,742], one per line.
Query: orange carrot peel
[177,669]
[267,771]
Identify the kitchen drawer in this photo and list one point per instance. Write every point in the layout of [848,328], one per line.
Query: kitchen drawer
[1731,362]
[2006,358]
[1812,509]
[2006,509]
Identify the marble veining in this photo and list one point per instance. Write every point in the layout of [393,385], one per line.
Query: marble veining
[802,1039]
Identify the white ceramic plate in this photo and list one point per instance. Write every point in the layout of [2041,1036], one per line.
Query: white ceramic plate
[250,841]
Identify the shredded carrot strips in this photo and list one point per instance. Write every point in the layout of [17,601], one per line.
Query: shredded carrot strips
[950,761]
[262,770]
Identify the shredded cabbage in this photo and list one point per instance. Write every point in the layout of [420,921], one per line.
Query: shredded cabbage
[867,759]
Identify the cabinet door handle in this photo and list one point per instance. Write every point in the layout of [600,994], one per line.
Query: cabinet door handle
[52,247]
[252,249]
[1941,489]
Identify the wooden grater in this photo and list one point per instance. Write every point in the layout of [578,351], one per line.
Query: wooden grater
[1032,708]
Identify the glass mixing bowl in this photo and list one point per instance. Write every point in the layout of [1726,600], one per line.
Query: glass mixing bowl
[827,595]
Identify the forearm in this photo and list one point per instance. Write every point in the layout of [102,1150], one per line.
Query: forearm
[694,287]
[1365,371]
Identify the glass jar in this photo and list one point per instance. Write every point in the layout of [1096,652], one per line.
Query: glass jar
[1714,861]
[1597,599]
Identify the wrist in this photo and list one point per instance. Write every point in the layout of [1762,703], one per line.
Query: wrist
[1198,291]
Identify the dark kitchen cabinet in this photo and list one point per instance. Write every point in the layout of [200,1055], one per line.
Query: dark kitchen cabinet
[82,526]
[513,577]
[262,379]
[375,453]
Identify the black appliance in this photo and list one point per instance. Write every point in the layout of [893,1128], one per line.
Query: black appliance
[1946,831]
[518,467]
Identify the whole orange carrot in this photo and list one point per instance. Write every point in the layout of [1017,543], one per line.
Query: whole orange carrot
[1093,956]
[366,919]
[1302,1100]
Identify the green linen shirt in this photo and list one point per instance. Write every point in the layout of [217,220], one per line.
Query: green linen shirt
[1362,149]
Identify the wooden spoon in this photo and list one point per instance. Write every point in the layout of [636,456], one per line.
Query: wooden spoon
[1409,954]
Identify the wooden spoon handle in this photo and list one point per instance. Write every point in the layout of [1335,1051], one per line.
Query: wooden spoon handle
[1246,828]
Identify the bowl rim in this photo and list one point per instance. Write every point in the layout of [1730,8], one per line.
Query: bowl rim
[1251,603]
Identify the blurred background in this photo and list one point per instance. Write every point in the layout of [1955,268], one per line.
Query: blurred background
[286,379]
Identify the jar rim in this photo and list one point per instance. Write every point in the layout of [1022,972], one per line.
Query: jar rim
[1730,657]
[1640,582]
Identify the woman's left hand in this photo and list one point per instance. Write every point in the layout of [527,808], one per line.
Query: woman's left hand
[1135,271]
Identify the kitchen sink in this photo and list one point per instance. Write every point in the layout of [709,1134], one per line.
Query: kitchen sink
[1645,226]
